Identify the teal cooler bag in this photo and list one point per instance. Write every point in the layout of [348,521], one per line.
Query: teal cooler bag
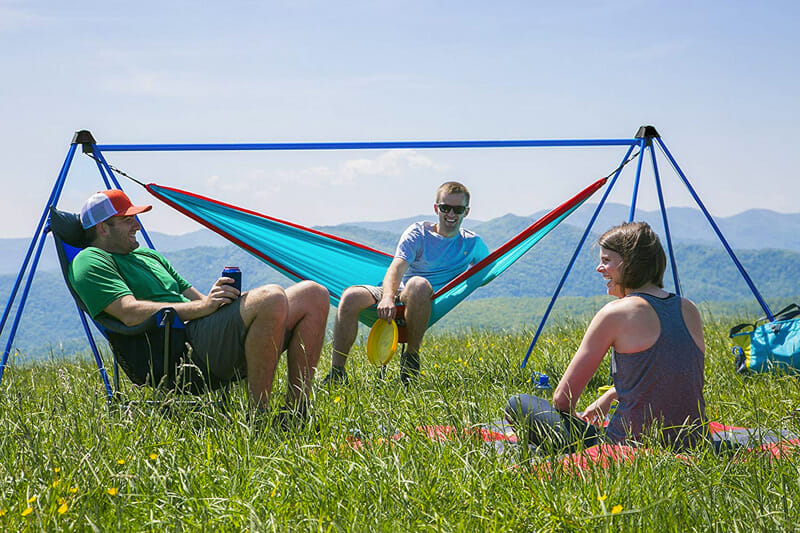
[769,346]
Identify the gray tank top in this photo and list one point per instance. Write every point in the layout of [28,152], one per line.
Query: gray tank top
[663,384]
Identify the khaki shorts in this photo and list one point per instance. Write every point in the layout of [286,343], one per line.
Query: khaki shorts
[376,291]
[218,343]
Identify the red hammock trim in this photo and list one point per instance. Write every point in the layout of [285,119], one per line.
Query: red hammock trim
[524,234]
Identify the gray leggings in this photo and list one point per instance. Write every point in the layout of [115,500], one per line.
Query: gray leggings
[552,431]
[537,423]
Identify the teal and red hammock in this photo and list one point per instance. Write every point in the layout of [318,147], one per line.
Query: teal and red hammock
[303,253]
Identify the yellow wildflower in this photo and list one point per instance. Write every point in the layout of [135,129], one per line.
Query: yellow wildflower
[73,490]
[120,461]
[337,399]
[113,491]
[57,470]
[153,456]
[32,499]
[55,483]
[602,498]
[63,508]
[616,509]
[3,512]
[27,511]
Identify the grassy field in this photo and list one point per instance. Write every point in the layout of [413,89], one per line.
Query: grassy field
[68,462]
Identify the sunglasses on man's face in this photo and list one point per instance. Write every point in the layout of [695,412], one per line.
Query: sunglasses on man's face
[457,209]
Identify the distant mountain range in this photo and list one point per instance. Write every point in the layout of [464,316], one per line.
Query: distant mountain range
[755,229]
[767,244]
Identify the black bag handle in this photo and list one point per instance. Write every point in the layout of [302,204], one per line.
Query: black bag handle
[787,313]
[790,311]
[737,329]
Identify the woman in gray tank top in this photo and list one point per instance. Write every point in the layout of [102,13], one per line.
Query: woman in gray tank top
[657,359]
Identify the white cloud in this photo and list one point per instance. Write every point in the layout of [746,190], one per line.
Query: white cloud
[347,173]
[391,163]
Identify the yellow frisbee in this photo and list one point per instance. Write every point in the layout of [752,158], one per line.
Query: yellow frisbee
[382,342]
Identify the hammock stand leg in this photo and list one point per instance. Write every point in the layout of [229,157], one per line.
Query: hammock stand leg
[572,260]
[36,243]
[716,229]
[84,139]
[647,134]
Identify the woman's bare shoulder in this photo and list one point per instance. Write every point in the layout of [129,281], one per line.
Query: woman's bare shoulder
[690,310]
[624,306]
[694,322]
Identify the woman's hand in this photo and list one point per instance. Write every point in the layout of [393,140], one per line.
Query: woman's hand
[596,412]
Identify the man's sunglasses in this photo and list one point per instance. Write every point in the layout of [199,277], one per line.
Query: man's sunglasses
[457,209]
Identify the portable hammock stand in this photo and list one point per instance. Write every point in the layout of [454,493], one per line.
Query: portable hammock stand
[645,138]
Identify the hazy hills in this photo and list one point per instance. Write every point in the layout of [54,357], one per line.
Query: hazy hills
[755,229]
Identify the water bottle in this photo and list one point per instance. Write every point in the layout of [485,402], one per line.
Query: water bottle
[542,384]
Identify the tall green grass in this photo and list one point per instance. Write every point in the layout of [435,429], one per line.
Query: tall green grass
[69,462]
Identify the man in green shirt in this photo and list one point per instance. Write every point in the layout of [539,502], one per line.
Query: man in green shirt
[236,334]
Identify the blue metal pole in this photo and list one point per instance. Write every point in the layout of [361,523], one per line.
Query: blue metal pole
[102,171]
[716,229]
[105,168]
[22,300]
[572,260]
[642,146]
[39,236]
[666,223]
[374,145]
[96,352]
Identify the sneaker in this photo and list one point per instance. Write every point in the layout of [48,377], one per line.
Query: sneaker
[409,367]
[337,376]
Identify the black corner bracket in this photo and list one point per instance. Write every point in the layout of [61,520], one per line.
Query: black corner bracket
[85,139]
[645,132]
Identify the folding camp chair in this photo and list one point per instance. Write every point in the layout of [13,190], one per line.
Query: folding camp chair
[153,353]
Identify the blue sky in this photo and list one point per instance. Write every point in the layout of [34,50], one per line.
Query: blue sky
[718,80]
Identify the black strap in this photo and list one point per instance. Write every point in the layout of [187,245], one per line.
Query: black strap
[737,329]
[790,311]
[787,313]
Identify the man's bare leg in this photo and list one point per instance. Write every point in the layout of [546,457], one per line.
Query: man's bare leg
[354,300]
[305,333]
[264,311]
[416,296]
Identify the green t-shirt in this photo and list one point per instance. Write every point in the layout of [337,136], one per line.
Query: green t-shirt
[100,277]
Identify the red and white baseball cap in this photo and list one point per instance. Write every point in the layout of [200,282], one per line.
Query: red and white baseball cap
[106,204]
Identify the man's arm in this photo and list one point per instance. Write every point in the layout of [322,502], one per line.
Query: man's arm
[133,312]
[391,282]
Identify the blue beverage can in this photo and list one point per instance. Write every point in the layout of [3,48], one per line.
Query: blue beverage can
[236,274]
